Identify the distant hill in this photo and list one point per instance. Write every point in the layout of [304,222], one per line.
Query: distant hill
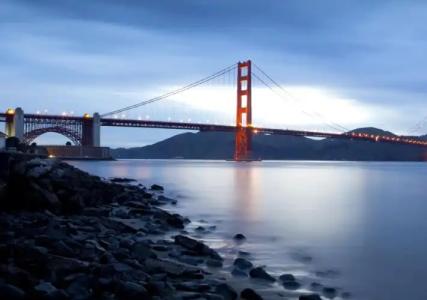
[220,145]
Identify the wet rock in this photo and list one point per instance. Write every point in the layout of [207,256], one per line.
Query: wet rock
[200,229]
[316,286]
[329,292]
[243,253]
[239,237]
[236,272]
[310,297]
[192,287]
[260,273]
[141,251]
[131,291]
[156,187]
[196,246]
[46,291]
[242,263]
[250,294]
[226,291]
[289,282]
[8,291]
[214,263]
[121,180]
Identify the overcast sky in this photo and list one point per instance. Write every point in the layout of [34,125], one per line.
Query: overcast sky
[360,63]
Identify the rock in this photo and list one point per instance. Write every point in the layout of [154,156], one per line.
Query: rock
[200,229]
[289,282]
[46,291]
[287,277]
[243,253]
[239,237]
[196,246]
[141,251]
[45,288]
[214,263]
[249,294]
[156,187]
[310,297]
[131,291]
[329,292]
[242,263]
[121,180]
[226,291]
[238,273]
[11,292]
[260,273]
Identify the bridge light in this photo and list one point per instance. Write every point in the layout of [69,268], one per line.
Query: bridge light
[10,111]
[38,112]
[255,131]
[86,116]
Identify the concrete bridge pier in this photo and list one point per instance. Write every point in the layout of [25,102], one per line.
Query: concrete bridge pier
[91,130]
[15,123]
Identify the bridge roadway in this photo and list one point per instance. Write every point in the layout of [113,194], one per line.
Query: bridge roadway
[113,122]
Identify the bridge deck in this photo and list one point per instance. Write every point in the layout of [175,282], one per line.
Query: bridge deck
[406,140]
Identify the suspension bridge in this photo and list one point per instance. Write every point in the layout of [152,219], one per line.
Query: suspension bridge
[85,130]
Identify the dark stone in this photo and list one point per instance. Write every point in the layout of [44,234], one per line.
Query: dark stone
[239,237]
[239,273]
[141,251]
[196,246]
[226,291]
[329,291]
[156,187]
[260,273]
[249,294]
[121,180]
[291,285]
[310,297]
[131,291]
[242,263]
[287,277]
[214,263]
[11,292]
[289,282]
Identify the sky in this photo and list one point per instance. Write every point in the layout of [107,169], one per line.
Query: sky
[355,63]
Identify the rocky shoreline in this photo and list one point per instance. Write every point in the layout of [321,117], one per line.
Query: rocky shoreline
[65,234]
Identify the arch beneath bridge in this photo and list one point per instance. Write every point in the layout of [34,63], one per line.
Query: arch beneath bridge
[75,137]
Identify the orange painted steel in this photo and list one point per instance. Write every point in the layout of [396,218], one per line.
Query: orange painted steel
[243,143]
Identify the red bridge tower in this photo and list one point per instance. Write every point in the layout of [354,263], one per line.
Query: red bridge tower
[243,146]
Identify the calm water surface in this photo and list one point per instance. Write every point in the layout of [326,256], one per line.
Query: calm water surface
[361,227]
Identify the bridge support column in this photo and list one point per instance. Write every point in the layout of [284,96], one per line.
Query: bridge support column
[96,130]
[243,142]
[15,123]
[91,130]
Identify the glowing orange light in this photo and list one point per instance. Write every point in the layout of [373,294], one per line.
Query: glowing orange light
[86,116]
[10,111]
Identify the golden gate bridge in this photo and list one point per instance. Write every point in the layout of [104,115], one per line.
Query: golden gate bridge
[85,130]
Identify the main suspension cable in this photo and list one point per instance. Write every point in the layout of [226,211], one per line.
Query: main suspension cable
[171,93]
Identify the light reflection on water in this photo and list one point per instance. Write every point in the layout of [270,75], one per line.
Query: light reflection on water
[364,221]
